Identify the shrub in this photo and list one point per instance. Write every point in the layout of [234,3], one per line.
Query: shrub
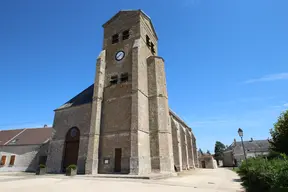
[73,167]
[261,174]
[273,154]
[42,166]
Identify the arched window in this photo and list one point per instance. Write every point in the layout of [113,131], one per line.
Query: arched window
[73,134]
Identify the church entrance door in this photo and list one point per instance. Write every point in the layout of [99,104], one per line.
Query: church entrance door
[71,148]
[117,164]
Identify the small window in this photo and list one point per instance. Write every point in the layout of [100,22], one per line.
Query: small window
[12,160]
[115,38]
[152,48]
[125,35]
[124,77]
[3,160]
[14,141]
[114,80]
[147,41]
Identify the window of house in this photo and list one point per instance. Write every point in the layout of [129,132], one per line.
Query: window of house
[12,160]
[14,141]
[152,48]
[147,41]
[3,160]
[124,77]
[114,80]
[115,38]
[125,35]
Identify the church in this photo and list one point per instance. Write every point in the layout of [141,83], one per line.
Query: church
[122,122]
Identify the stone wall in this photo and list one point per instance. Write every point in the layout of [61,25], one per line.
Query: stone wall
[65,119]
[195,151]
[177,150]
[115,128]
[92,159]
[228,159]
[207,162]
[159,120]
[184,144]
[190,149]
[26,156]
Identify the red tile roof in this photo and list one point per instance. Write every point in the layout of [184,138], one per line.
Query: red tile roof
[27,136]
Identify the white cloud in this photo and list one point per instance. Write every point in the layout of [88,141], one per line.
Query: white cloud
[272,77]
[281,106]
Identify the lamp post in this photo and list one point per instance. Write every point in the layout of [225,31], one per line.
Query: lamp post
[240,133]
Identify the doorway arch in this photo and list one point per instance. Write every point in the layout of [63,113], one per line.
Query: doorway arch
[71,147]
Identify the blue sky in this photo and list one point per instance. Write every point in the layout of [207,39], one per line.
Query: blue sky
[226,61]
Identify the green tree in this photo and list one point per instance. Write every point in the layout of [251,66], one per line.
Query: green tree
[208,152]
[218,150]
[279,134]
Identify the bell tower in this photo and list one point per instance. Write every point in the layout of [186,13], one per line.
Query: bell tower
[130,129]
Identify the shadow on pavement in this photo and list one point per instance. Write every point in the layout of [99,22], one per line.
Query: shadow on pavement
[237,180]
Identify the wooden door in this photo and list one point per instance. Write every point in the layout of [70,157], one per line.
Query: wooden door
[117,164]
[71,154]
[203,164]
[71,148]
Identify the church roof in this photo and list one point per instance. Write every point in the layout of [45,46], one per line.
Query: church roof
[140,11]
[82,98]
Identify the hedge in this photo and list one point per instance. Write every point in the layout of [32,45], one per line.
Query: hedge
[261,174]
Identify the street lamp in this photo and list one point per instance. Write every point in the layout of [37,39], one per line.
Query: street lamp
[240,133]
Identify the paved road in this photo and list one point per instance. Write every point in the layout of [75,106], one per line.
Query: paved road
[201,180]
[217,179]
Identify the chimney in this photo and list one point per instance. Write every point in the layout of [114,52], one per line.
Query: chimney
[234,143]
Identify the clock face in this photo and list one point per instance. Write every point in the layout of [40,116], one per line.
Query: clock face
[119,55]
